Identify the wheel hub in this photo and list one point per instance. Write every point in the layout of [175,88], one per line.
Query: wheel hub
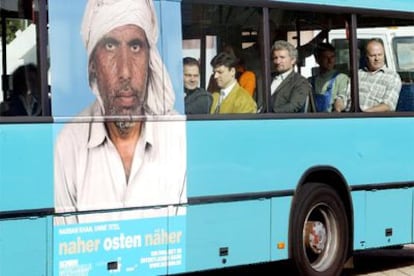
[315,236]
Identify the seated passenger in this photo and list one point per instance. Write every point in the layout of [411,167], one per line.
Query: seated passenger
[379,87]
[212,83]
[197,100]
[231,98]
[24,97]
[289,89]
[328,85]
[246,78]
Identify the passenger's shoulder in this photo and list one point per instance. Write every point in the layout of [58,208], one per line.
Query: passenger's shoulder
[299,78]
[342,76]
[243,92]
[202,91]
[248,74]
[392,72]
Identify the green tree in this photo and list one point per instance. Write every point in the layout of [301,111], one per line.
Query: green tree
[12,26]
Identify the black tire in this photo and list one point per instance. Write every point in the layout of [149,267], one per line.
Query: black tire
[319,206]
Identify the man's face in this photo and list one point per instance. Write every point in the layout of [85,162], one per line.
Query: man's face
[326,60]
[283,61]
[191,76]
[375,56]
[224,76]
[120,63]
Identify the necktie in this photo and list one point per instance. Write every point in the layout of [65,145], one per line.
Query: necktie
[220,100]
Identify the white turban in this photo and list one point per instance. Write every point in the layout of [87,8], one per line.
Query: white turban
[102,16]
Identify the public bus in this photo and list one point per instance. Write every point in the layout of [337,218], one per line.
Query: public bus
[259,188]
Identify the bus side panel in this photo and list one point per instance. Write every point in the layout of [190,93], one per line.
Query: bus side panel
[279,227]
[70,87]
[242,156]
[147,246]
[389,217]
[25,246]
[376,214]
[412,229]
[170,45]
[360,228]
[26,167]
[227,234]
[227,157]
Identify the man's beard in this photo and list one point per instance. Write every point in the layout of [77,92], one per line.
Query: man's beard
[113,109]
[124,126]
[124,116]
[138,110]
[127,120]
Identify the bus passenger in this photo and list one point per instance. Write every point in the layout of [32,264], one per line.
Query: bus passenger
[121,158]
[231,98]
[328,86]
[289,89]
[246,78]
[379,87]
[24,98]
[197,100]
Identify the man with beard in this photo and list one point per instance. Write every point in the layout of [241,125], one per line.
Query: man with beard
[289,89]
[121,154]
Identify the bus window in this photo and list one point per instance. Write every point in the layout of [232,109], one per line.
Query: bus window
[387,86]
[305,30]
[20,93]
[211,29]
[193,48]
[403,48]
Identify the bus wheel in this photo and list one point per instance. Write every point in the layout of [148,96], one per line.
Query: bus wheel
[319,231]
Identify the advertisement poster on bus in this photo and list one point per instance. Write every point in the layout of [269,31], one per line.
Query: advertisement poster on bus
[120,142]
[123,247]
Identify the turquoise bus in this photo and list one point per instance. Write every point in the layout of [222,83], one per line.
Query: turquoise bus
[216,190]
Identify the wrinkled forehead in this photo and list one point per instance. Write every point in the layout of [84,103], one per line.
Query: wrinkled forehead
[127,33]
[101,17]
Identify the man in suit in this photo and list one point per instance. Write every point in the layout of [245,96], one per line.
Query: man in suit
[231,98]
[289,89]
